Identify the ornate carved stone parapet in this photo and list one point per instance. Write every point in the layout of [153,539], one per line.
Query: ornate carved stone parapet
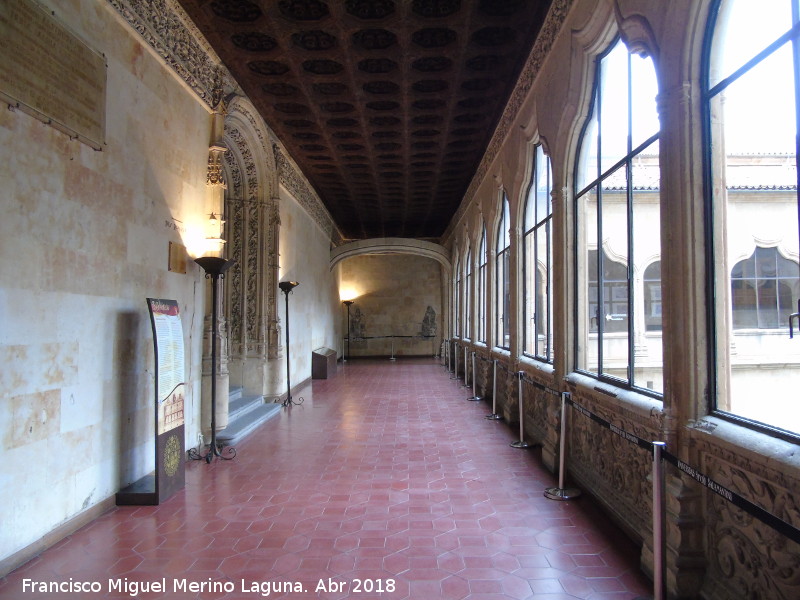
[484,373]
[746,558]
[617,472]
[292,179]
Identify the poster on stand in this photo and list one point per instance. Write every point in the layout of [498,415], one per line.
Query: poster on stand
[170,389]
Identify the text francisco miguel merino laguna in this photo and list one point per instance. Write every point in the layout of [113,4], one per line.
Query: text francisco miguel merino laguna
[263,588]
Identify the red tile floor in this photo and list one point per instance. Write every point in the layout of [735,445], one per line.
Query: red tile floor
[386,479]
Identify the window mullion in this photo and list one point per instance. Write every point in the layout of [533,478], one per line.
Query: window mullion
[796,68]
[629,185]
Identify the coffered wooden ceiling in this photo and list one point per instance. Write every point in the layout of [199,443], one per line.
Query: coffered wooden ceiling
[386,105]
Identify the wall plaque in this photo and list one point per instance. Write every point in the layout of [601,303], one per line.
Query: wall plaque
[48,72]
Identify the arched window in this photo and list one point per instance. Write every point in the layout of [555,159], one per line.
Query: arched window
[764,290]
[538,252]
[617,208]
[468,295]
[652,297]
[457,300]
[613,309]
[752,102]
[502,281]
[481,293]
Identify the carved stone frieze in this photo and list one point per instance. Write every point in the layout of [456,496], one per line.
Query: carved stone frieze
[484,376]
[616,470]
[290,177]
[164,25]
[747,559]
[541,412]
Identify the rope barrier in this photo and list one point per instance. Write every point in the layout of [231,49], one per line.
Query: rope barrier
[660,455]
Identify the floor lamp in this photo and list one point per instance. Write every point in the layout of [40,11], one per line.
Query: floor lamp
[286,287]
[347,303]
[215,268]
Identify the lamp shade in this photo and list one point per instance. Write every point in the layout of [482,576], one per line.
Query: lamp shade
[288,286]
[215,265]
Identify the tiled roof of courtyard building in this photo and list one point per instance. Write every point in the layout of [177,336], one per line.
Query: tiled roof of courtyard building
[767,172]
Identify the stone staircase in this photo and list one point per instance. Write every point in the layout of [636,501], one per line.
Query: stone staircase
[245,414]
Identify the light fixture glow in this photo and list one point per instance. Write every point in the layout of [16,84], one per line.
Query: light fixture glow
[348,294]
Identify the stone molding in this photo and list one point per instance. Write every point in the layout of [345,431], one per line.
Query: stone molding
[290,178]
[391,246]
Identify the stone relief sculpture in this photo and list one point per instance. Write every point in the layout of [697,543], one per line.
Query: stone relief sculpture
[429,323]
[357,325]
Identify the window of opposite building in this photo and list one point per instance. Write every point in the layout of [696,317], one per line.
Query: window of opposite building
[752,105]
[618,227]
[537,258]
[503,280]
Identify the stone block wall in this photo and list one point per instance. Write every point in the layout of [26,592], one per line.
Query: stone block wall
[398,305]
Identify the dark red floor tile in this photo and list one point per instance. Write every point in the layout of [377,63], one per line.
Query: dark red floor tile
[383,474]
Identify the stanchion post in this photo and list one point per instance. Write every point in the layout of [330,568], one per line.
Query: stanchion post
[474,397]
[658,521]
[521,443]
[494,416]
[455,362]
[392,357]
[466,371]
[449,356]
[561,492]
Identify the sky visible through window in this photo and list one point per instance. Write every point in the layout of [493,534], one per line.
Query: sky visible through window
[759,107]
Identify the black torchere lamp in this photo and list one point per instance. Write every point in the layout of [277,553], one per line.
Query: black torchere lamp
[215,268]
[286,287]
[348,303]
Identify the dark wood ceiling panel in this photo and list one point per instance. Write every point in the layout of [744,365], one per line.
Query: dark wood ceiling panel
[387,105]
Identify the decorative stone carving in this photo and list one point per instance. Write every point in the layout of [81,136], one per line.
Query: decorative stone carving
[617,471]
[253,232]
[166,28]
[747,559]
[289,177]
[429,323]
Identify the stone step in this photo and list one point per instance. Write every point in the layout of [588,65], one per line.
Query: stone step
[235,393]
[242,405]
[244,416]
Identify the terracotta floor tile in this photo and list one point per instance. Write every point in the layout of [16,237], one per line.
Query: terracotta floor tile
[384,474]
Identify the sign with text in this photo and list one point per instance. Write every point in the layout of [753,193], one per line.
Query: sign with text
[170,386]
[48,72]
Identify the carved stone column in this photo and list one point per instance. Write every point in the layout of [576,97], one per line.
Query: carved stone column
[684,324]
[215,199]
[273,323]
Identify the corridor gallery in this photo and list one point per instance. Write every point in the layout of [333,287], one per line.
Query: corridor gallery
[358,228]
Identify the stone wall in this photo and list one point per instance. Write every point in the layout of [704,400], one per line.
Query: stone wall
[85,239]
[314,304]
[396,295]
